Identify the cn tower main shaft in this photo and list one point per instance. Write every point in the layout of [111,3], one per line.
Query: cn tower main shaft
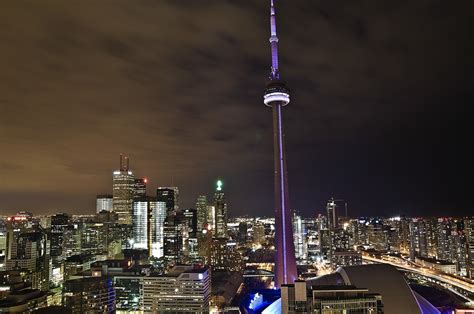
[277,96]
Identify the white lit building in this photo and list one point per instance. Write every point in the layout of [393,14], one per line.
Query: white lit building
[182,290]
[104,203]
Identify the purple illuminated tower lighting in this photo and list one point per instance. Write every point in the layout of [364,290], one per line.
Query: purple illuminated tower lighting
[277,96]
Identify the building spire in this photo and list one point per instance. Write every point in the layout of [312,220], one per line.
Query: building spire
[274,74]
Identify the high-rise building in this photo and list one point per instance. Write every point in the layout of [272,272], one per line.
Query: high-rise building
[201,208]
[104,203]
[301,244]
[173,239]
[331,209]
[59,223]
[169,195]
[139,190]
[157,222]
[444,232]
[220,206]
[141,223]
[277,96]
[123,189]
[182,290]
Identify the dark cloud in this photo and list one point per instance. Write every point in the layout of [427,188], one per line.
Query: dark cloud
[378,116]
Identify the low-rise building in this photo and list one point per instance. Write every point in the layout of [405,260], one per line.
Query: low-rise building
[183,290]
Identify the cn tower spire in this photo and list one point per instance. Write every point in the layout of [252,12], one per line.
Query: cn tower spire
[276,97]
[274,74]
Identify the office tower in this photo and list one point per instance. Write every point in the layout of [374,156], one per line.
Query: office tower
[201,208]
[140,229]
[59,224]
[89,295]
[173,239]
[190,234]
[157,222]
[104,203]
[331,210]
[30,251]
[169,195]
[123,189]
[277,96]
[299,234]
[220,205]
[139,190]
[183,290]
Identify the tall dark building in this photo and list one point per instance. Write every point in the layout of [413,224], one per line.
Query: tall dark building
[168,195]
[331,209]
[220,206]
[276,97]
[59,223]
[173,238]
[139,190]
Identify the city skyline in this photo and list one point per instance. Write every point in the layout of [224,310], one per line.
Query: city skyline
[384,133]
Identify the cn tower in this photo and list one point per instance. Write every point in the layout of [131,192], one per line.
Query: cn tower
[276,97]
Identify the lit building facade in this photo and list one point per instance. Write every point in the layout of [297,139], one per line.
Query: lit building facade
[141,223]
[123,191]
[157,222]
[182,290]
[220,206]
[201,208]
[104,203]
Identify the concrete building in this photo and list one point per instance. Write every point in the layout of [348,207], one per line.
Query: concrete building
[297,298]
[182,290]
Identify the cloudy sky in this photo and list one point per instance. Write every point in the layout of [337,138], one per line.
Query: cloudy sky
[380,91]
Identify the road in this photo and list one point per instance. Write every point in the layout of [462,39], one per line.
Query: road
[466,285]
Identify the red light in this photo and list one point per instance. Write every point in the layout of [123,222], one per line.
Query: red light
[145,180]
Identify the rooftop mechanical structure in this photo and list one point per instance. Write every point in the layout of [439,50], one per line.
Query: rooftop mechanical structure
[276,97]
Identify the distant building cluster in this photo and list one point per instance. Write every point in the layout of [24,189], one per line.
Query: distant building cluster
[142,252]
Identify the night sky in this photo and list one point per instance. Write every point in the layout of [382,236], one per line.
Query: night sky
[380,94]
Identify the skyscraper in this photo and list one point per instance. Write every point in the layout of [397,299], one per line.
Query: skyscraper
[169,195]
[140,230]
[139,189]
[220,212]
[201,208]
[157,221]
[332,214]
[123,189]
[277,96]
